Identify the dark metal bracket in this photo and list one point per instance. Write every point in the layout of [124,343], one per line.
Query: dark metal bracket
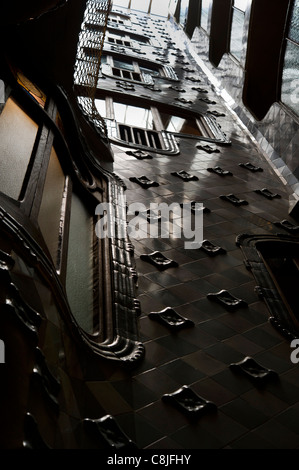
[188,402]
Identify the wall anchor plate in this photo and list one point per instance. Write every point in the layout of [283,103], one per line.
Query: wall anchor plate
[191,404]
[250,167]
[185,176]
[219,171]
[160,261]
[208,148]
[140,155]
[227,300]
[250,368]
[268,194]
[196,207]
[211,249]
[144,182]
[109,433]
[234,200]
[170,318]
[291,228]
[216,113]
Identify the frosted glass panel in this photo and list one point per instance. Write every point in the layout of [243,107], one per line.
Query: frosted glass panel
[101,107]
[79,278]
[294,26]
[140,5]
[17,137]
[184,12]
[2,96]
[172,6]
[290,80]
[160,8]
[50,210]
[236,45]
[205,7]
[121,3]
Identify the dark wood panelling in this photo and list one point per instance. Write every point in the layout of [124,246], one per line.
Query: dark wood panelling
[266,36]
[220,30]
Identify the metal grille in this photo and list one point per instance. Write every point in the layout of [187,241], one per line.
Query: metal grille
[138,136]
[87,67]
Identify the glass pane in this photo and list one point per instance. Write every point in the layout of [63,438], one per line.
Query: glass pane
[140,5]
[142,39]
[290,81]
[2,95]
[184,12]
[294,26]
[103,59]
[119,16]
[241,4]
[160,8]
[134,116]
[172,6]
[180,125]
[33,89]
[17,137]
[115,33]
[122,64]
[236,44]
[116,72]
[151,71]
[79,277]
[205,7]
[101,107]
[50,210]
[121,3]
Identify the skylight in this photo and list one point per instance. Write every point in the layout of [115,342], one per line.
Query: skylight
[155,7]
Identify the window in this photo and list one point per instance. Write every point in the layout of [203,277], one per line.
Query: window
[79,270]
[131,69]
[116,19]
[51,209]
[184,12]
[18,133]
[68,228]
[133,115]
[123,38]
[237,29]
[159,8]
[155,127]
[274,262]
[124,64]
[205,8]
[133,124]
[119,42]
[290,81]
[31,88]
[181,125]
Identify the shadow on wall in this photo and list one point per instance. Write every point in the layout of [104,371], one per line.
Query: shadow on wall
[18,11]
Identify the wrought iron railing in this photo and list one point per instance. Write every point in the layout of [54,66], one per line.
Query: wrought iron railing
[88,67]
